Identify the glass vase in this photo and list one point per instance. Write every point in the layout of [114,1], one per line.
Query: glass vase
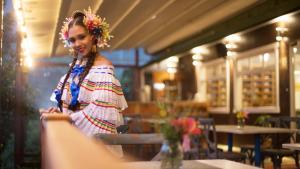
[172,155]
[241,123]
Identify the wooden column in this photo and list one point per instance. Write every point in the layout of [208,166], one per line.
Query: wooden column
[137,81]
[284,79]
[232,118]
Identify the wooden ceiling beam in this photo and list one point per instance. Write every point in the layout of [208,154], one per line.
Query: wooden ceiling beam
[65,5]
[125,14]
[255,16]
[138,27]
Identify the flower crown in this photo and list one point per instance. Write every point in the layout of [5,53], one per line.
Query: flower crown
[95,25]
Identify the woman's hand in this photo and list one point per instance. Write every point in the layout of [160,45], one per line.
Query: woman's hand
[53,110]
[50,110]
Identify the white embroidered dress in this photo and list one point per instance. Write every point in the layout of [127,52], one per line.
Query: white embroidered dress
[101,101]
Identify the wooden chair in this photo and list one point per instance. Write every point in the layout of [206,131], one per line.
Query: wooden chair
[276,152]
[210,135]
[266,121]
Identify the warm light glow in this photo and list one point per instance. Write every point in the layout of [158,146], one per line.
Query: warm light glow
[196,50]
[173,59]
[171,70]
[25,44]
[281,29]
[266,57]
[197,63]
[17,4]
[231,46]
[159,86]
[197,57]
[285,39]
[200,50]
[297,72]
[172,64]
[20,18]
[28,61]
[281,38]
[233,38]
[231,53]
[284,18]
[23,29]
[26,53]
[295,49]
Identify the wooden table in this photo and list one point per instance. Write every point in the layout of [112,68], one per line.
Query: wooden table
[292,146]
[255,130]
[192,164]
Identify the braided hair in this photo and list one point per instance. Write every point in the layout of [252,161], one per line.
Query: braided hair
[78,20]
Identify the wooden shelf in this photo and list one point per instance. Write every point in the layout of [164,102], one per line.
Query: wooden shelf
[216,91]
[258,89]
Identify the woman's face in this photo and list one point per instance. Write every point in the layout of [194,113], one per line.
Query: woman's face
[81,41]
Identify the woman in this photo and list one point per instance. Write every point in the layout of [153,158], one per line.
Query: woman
[89,92]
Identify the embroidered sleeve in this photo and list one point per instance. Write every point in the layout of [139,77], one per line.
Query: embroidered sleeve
[106,101]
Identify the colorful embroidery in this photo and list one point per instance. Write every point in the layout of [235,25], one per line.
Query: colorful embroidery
[106,104]
[108,86]
[102,124]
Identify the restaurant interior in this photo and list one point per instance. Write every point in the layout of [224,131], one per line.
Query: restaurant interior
[228,68]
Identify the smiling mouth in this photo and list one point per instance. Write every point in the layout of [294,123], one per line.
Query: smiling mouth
[81,50]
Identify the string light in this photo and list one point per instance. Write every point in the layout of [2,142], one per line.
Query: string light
[282,29]
[281,33]
[197,59]
[231,42]
[172,63]
[25,59]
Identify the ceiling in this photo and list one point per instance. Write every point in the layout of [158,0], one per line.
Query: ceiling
[152,24]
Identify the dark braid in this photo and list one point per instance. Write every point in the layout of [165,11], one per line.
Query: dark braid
[65,81]
[88,66]
[78,18]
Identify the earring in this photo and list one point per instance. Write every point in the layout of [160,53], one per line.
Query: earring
[94,48]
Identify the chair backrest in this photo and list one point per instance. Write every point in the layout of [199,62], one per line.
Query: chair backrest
[281,122]
[273,122]
[134,123]
[209,132]
[287,122]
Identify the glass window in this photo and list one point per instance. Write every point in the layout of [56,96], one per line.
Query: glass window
[243,65]
[256,62]
[269,59]
[256,87]
[216,85]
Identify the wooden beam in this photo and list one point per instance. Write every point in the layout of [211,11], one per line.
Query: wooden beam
[65,5]
[72,150]
[255,16]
